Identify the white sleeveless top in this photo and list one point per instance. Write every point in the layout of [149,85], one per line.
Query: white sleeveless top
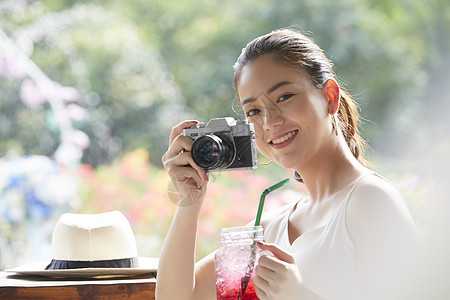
[325,255]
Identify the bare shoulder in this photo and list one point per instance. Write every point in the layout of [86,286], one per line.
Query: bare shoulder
[376,207]
[375,193]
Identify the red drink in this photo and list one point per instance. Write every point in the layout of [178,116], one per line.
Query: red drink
[234,293]
[235,261]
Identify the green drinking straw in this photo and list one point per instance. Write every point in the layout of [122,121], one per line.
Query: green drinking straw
[263,198]
[246,278]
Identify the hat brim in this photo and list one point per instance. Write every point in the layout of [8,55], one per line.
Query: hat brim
[147,265]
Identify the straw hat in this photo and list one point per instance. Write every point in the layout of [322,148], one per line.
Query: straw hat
[92,245]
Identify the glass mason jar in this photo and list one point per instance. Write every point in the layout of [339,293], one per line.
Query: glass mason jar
[235,262]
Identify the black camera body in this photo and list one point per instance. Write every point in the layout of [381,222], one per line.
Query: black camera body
[223,144]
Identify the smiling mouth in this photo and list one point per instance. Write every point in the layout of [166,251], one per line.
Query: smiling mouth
[284,137]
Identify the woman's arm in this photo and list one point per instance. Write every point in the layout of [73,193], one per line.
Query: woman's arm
[177,277]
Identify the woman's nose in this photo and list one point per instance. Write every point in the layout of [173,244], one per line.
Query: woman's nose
[272,116]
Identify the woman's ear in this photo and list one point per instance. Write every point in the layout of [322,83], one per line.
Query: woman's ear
[333,95]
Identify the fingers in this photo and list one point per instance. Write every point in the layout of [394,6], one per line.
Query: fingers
[277,252]
[180,144]
[178,129]
[181,162]
[188,179]
[267,282]
[188,187]
[271,270]
[178,154]
[276,267]
[183,173]
[260,291]
[264,275]
[277,276]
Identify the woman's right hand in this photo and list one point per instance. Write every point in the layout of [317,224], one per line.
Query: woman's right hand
[189,180]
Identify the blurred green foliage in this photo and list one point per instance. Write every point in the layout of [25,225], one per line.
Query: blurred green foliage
[142,66]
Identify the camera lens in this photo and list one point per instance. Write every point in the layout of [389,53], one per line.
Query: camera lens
[212,152]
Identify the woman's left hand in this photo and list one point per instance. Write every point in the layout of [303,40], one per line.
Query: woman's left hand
[277,276]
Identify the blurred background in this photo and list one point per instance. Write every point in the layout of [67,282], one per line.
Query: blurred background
[89,91]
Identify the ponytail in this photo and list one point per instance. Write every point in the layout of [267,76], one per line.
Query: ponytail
[349,123]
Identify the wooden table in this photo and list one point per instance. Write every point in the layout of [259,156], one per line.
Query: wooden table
[40,287]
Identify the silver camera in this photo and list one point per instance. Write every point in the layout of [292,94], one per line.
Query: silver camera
[224,144]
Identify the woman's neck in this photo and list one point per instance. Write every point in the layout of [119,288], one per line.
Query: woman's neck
[329,172]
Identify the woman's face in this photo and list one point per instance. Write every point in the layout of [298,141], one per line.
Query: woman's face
[290,116]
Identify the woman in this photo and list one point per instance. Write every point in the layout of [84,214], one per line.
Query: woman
[344,241]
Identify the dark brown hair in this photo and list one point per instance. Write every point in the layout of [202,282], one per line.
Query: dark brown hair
[294,49]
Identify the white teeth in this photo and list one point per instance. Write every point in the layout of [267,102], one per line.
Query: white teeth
[284,138]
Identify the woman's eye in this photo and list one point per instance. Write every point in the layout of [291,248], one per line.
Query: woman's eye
[285,97]
[252,112]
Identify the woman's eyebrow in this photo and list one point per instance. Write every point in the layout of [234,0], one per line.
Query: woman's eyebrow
[269,91]
[277,86]
[247,101]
